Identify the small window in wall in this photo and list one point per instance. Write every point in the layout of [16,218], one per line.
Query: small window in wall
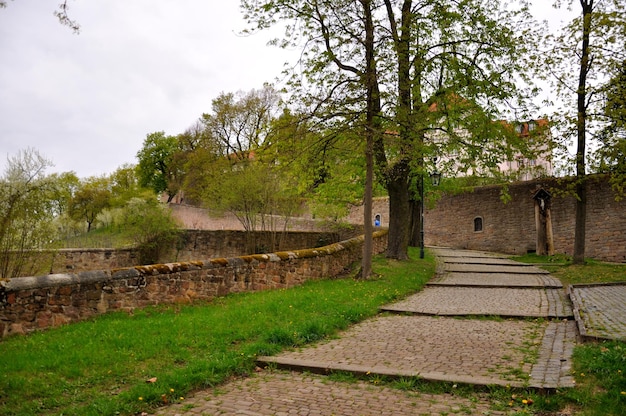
[478,224]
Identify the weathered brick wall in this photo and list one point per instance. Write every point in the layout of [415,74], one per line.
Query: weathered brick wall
[203,244]
[194,245]
[31,303]
[510,228]
[380,206]
[75,260]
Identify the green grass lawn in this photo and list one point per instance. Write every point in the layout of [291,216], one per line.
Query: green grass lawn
[123,364]
[593,271]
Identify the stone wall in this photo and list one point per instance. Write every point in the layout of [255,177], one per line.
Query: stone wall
[380,206]
[193,245]
[32,303]
[78,260]
[203,244]
[510,228]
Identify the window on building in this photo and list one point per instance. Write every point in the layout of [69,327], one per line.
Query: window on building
[532,125]
[478,224]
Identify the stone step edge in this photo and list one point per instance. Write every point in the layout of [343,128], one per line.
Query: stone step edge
[495,286]
[476,315]
[326,367]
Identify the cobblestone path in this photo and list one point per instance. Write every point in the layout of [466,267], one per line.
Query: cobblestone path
[600,310]
[436,335]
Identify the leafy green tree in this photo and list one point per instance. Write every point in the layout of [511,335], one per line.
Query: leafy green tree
[26,211]
[90,199]
[67,184]
[581,59]
[124,185]
[427,54]
[150,226]
[156,168]
[327,167]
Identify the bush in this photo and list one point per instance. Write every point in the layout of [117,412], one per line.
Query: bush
[151,228]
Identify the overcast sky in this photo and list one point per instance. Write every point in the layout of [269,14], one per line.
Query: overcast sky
[87,101]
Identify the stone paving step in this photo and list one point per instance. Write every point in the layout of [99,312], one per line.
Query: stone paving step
[600,310]
[496,280]
[445,252]
[484,260]
[487,268]
[277,393]
[480,352]
[480,301]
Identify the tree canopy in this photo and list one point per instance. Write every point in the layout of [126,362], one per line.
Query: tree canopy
[425,53]
[156,168]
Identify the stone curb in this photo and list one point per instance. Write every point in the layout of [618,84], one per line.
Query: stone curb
[326,367]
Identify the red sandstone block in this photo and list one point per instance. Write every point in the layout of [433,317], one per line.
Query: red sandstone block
[44,320]
[16,329]
[11,298]
[65,290]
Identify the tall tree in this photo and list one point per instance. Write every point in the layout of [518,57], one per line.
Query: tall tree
[427,53]
[228,166]
[340,75]
[593,43]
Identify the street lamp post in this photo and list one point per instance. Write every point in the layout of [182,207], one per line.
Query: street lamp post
[435,178]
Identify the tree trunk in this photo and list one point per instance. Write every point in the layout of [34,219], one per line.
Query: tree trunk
[398,239]
[368,244]
[397,178]
[415,223]
[371,129]
[581,187]
[581,219]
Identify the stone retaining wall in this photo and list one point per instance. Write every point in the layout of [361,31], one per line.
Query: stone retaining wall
[193,244]
[510,228]
[33,303]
